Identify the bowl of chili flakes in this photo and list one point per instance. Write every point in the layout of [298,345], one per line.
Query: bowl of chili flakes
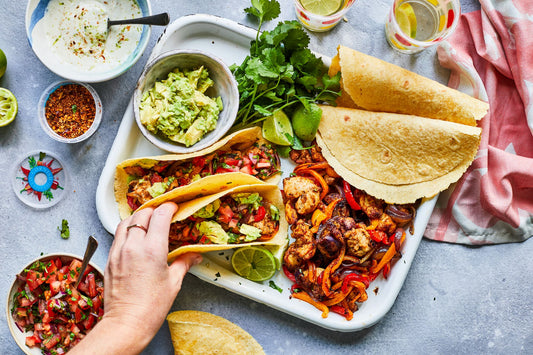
[69,111]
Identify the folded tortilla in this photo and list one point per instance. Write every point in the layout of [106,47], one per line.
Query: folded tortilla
[394,157]
[195,332]
[270,193]
[375,85]
[239,140]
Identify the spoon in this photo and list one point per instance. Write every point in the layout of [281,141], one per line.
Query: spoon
[92,244]
[158,20]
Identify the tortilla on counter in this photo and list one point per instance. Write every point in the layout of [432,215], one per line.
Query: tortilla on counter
[269,193]
[376,85]
[196,332]
[240,140]
[394,157]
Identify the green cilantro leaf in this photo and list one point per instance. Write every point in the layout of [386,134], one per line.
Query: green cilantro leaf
[64,229]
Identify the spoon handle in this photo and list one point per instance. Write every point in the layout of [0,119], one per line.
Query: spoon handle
[159,20]
[92,244]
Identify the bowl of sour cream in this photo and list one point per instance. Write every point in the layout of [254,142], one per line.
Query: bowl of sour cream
[71,37]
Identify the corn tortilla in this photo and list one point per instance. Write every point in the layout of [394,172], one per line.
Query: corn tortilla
[195,332]
[376,85]
[239,140]
[394,157]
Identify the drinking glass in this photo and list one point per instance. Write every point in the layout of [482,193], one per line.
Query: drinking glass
[414,25]
[318,23]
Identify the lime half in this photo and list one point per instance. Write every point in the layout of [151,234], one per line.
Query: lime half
[3,63]
[406,18]
[278,129]
[321,7]
[254,263]
[8,107]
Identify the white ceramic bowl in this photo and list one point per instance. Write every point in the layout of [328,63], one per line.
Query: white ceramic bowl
[44,123]
[225,86]
[18,335]
[37,38]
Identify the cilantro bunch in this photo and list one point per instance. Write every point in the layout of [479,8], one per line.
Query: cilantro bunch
[280,70]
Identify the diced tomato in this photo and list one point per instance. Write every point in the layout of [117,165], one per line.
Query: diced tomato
[198,161]
[260,214]
[132,204]
[97,303]
[55,287]
[232,161]
[225,214]
[78,314]
[156,178]
[50,268]
[24,302]
[33,340]
[247,169]
[82,303]
[92,284]
[46,317]
[263,163]
[22,312]
[74,270]
[34,279]
[89,322]
[51,342]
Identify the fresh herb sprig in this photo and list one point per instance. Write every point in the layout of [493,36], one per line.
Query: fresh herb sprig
[280,71]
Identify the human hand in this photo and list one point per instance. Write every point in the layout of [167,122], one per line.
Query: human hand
[139,285]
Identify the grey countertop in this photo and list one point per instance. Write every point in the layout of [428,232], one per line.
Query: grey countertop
[456,299]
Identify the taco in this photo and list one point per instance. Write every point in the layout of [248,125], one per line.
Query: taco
[375,85]
[241,158]
[243,215]
[394,157]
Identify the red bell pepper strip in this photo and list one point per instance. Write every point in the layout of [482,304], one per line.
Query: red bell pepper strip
[349,196]
[354,277]
[289,274]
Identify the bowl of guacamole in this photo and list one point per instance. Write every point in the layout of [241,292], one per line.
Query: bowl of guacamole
[185,100]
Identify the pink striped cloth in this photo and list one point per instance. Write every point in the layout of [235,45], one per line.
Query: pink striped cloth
[490,56]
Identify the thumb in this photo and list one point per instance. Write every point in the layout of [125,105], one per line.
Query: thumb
[181,265]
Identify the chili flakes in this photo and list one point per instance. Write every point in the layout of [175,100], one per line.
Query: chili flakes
[70,110]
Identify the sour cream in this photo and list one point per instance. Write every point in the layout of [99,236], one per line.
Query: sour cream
[78,35]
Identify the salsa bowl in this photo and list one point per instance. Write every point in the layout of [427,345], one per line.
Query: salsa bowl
[59,37]
[224,87]
[27,295]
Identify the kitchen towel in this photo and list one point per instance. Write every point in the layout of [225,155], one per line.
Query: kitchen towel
[490,56]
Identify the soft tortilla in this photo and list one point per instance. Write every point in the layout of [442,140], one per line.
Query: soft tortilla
[376,85]
[195,332]
[397,158]
[239,140]
[270,193]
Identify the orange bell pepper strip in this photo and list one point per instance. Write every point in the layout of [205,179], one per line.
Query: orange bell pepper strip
[319,178]
[330,269]
[384,260]
[318,217]
[319,305]
[312,166]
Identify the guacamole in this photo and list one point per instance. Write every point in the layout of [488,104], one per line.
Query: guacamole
[178,108]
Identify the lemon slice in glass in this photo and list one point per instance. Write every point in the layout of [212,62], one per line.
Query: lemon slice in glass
[321,7]
[406,18]
[254,263]
[278,129]
[8,107]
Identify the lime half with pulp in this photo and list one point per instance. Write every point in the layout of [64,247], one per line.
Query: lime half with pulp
[406,18]
[254,263]
[8,107]
[305,122]
[278,129]
[321,7]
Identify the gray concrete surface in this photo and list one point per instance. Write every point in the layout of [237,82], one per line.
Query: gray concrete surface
[455,300]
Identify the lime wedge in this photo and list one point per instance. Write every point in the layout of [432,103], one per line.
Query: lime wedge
[406,18]
[8,107]
[321,7]
[254,263]
[3,63]
[278,129]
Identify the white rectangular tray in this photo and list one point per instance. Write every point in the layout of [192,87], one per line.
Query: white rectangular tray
[230,41]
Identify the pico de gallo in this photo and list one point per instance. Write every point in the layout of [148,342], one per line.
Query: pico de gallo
[259,160]
[48,306]
[233,219]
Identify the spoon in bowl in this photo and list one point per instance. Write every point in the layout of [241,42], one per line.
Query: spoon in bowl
[92,244]
[161,19]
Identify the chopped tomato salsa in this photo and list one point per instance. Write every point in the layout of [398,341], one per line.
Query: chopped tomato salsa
[48,306]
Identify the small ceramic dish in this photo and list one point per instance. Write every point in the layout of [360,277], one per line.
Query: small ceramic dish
[50,131]
[224,87]
[19,335]
[56,54]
